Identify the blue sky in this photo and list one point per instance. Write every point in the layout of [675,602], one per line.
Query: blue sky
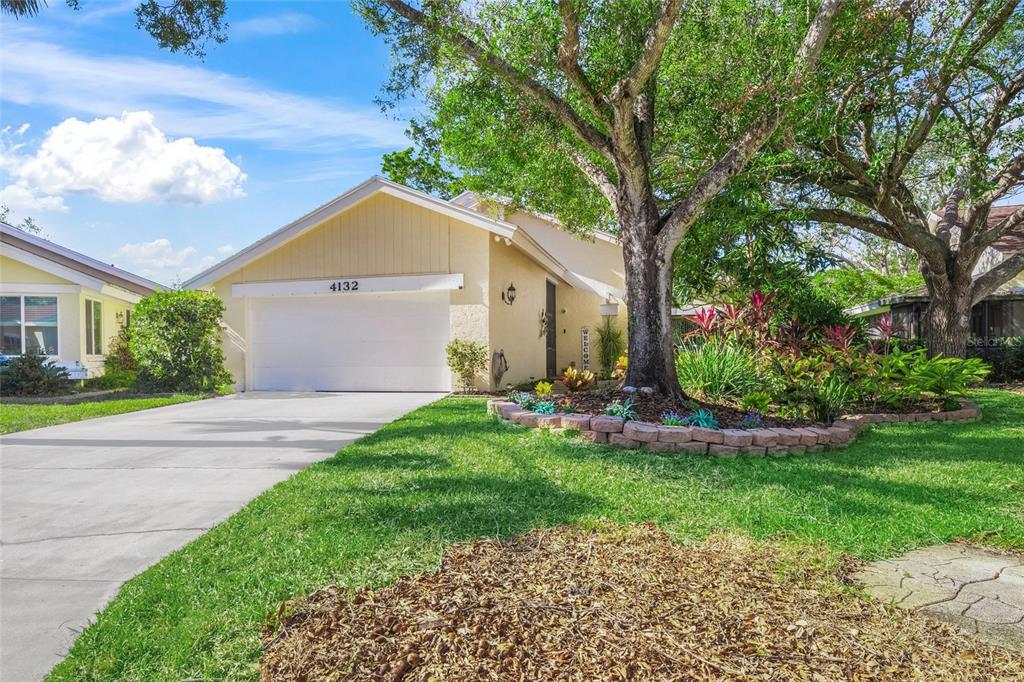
[164,164]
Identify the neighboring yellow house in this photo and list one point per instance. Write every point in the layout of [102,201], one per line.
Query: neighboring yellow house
[365,292]
[61,303]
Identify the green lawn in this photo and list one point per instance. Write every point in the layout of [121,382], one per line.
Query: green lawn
[19,417]
[391,503]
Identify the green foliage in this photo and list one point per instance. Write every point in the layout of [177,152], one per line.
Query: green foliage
[542,389]
[183,26]
[421,171]
[523,399]
[624,409]
[566,406]
[466,359]
[611,344]
[756,401]
[32,374]
[703,418]
[20,417]
[942,376]
[119,356]
[717,369]
[828,399]
[176,341]
[112,379]
[850,287]
[545,407]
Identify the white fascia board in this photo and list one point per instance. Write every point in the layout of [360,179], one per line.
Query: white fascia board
[55,269]
[336,206]
[525,243]
[348,286]
[30,289]
[120,294]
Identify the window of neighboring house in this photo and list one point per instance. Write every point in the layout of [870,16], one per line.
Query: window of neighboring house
[93,327]
[29,324]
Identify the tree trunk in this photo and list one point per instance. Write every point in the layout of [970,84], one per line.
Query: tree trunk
[948,318]
[648,305]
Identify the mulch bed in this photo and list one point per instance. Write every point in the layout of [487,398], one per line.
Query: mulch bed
[617,603]
[650,408]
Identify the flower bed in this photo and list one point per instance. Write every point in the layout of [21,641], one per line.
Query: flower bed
[770,441]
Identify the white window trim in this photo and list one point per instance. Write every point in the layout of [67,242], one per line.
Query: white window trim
[85,327]
[21,314]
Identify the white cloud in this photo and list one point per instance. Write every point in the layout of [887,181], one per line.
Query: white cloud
[288,23]
[187,100]
[23,201]
[160,261]
[125,159]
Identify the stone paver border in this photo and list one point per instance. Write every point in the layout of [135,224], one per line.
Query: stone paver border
[772,442]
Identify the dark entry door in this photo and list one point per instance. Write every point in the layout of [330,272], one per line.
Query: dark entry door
[552,367]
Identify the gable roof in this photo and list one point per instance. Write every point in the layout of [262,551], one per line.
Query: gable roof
[360,192]
[71,265]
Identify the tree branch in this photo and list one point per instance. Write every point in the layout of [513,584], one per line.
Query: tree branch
[716,177]
[878,228]
[997,276]
[554,104]
[594,173]
[569,59]
[650,57]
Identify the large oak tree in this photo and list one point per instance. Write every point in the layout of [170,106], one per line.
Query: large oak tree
[633,111]
[927,120]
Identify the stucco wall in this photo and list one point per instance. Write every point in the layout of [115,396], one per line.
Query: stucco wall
[109,326]
[515,329]
[15,271]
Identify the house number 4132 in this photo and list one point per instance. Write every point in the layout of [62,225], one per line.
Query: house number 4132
[345,285]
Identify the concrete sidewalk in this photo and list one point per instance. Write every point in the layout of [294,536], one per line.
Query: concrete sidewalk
[86,506]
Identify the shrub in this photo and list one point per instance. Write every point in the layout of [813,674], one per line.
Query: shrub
[466,359]
[566,406]
[542,389]
[942,376]
[33,374]
[578,379]
[523,399]
[703,418]
[112,379]
[624,409]
[756,401]
[175,338]
[119,353]
[828,399]
[719,370]
[611,344]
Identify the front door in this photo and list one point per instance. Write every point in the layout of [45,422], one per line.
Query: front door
[552,363]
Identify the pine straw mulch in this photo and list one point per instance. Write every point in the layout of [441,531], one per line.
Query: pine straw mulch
[618,603]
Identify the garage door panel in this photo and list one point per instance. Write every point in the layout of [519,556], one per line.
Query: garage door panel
[391,342]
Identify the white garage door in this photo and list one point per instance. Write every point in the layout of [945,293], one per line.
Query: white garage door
[364,342]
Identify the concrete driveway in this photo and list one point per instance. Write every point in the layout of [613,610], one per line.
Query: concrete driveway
[86,506]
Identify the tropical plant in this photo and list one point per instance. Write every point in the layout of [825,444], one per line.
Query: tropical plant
[941,376]
[624,409]
[542,389]
[621,365]
[466,359]
[611,344]
[717,369]
[566,406]
[673,419]
[842,337]
[703,321]
[176,340]
[523,399]
[545,407]
[32,374]
[756,401]
[702,417]
[578,379]
[828,399]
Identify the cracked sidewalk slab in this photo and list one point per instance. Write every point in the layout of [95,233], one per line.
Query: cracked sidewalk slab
[977,589]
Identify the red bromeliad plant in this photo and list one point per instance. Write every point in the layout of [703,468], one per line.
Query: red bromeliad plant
[705,321]
[841,337]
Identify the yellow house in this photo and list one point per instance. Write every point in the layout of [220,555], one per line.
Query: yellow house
[62,303]
[365,292]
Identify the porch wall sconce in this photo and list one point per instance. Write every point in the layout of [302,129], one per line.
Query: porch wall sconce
[509,295]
